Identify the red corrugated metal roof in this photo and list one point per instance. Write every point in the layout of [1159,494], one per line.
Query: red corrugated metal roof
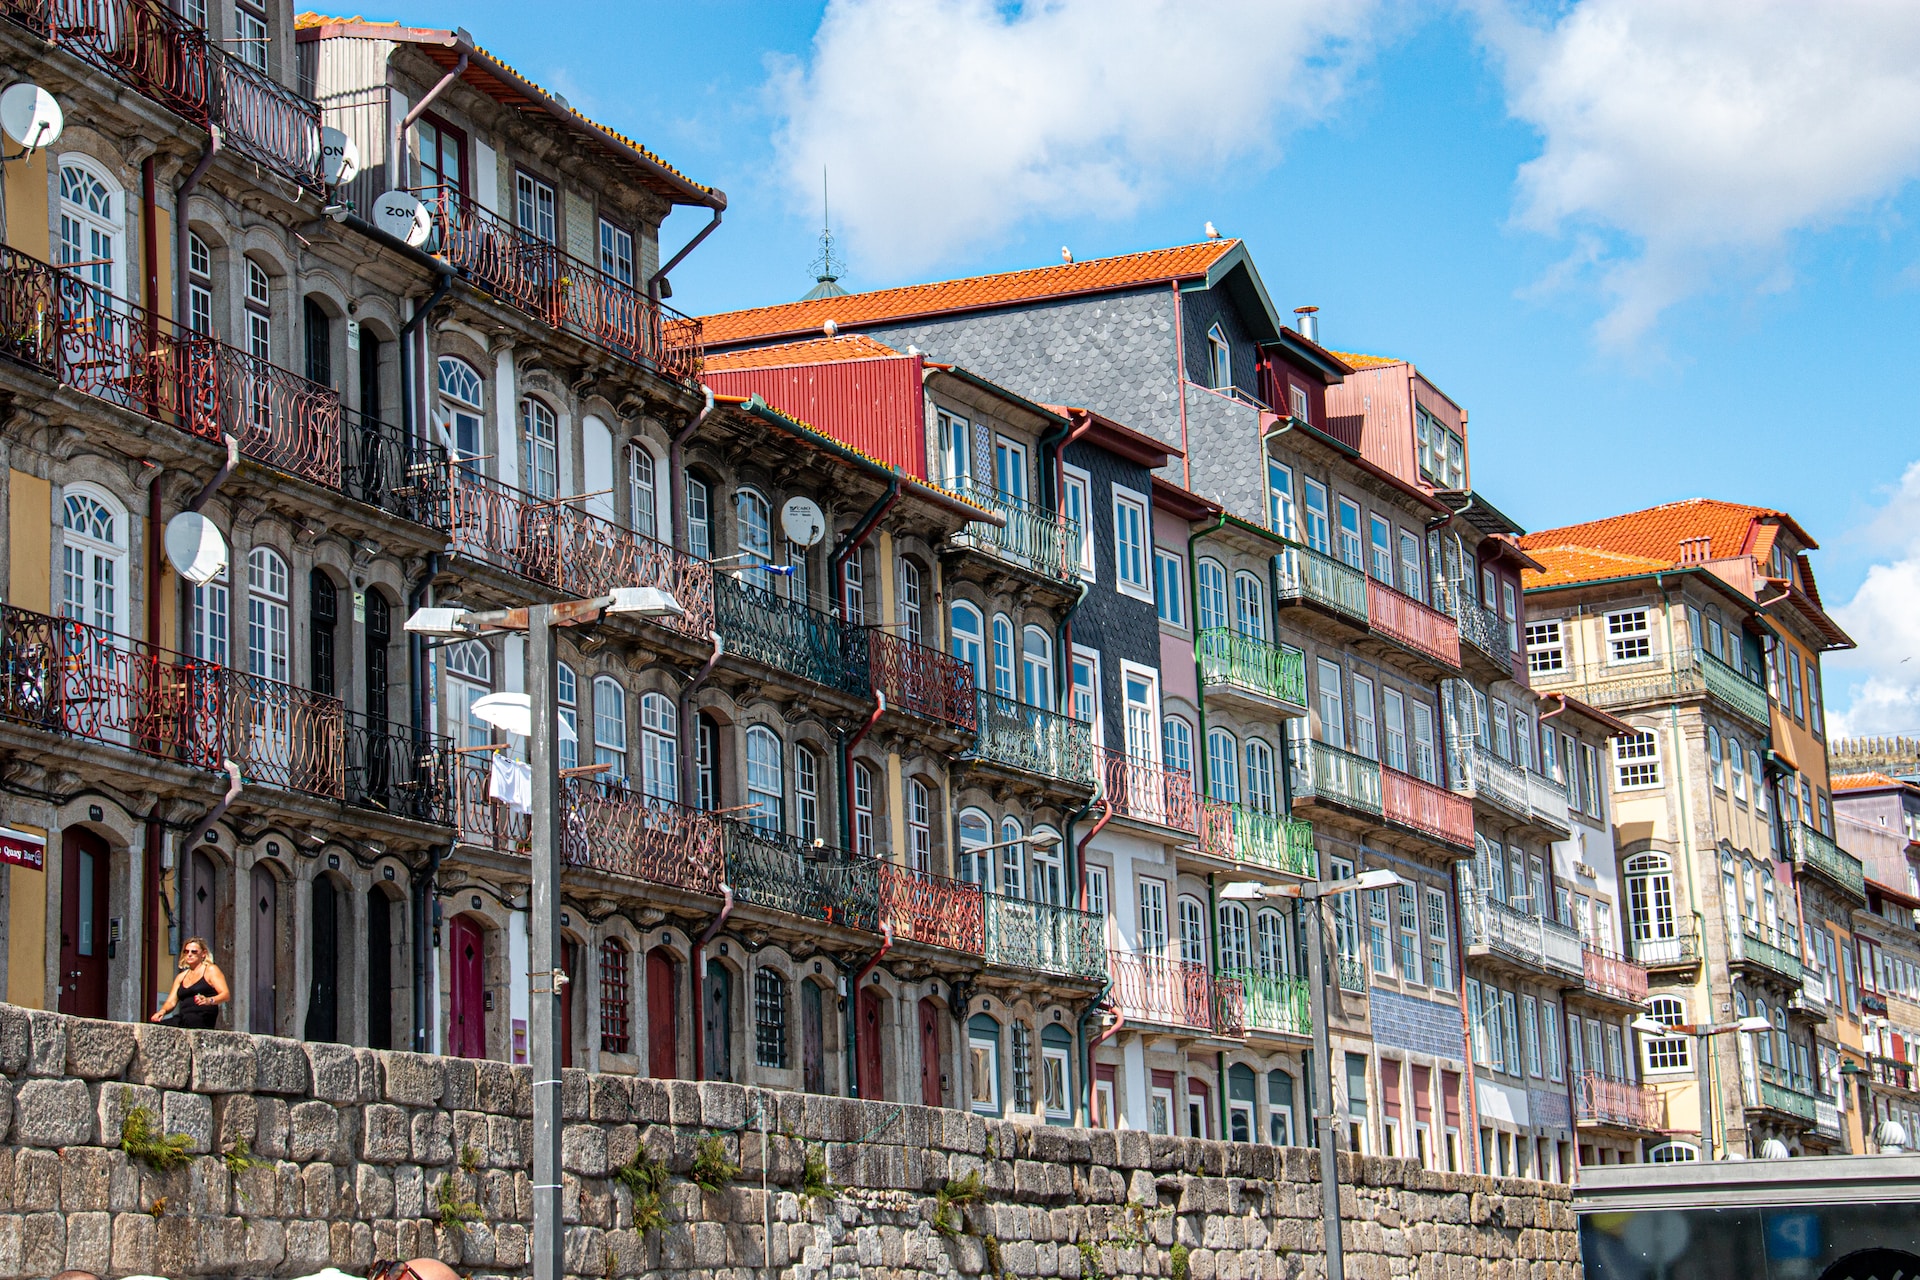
[872,404]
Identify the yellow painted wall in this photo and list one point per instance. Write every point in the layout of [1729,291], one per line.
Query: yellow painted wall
[27,932]
[896,805]
[885,544]
[163,222]
[28,227]
[29,536]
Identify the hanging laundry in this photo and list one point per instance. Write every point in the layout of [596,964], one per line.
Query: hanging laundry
[511,783]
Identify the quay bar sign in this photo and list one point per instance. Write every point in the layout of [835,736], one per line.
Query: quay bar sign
[23,849]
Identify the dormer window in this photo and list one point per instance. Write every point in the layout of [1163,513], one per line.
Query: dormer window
[1219,358]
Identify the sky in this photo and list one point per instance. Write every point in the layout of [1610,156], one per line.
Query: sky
[1659,248]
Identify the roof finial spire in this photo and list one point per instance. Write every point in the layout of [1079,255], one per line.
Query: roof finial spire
[826,267]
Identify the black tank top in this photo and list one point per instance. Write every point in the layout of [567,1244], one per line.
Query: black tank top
[200,1017]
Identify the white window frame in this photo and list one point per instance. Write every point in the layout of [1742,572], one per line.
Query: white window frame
[1076,504]
[1052,1056]
[1129,502]
[1629,636]
[976,1043]
[1219,359]
[1636,761]
[1546,647]
[1170,587]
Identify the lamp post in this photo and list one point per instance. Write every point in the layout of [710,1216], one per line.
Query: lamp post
[1863,1075]
[546,976]
[1310,896]
[1702,1033]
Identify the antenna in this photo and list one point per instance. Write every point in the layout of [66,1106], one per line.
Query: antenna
[826,267]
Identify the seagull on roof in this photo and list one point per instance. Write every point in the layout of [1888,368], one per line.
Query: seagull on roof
[1213,233]
[1066,254]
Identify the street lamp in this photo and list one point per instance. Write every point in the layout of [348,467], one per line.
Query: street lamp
[543,920]
[1702,1032]
[1310,895]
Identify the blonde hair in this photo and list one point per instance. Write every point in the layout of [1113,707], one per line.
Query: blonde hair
[206,952]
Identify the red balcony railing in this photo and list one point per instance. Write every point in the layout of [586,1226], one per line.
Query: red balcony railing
[482,820]
[919,679]
[1145,790]
[265,121]
[571,550]
[1229,1007]
[1424,807]
[551,285]
[1615,976]
[610,828]
[1617,1103]
[936,910]
[1162,991]
[1215,828]
[284,736]
[1413,624]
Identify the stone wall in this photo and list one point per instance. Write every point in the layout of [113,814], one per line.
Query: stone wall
[346,1149]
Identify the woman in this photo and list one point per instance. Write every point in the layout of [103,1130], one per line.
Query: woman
[199,989]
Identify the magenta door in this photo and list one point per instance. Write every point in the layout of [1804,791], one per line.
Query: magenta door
[468,1007]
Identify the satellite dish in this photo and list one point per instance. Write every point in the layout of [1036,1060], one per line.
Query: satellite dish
[195,548]
[803,522]
[30,116]
[513,713]
[339,157]
[401,215]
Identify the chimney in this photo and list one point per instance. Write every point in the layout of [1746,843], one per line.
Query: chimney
[1697,550]
[1306,323]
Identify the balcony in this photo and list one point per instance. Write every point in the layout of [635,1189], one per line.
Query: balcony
[1754,945]
[1271,840]
[1482,628]
[1691,674]
[385,470]
[814,882]
[1038,936]
[1276,1004]
[1423,807]
[790,636]
[1772,1088]
[1332,775]
[1163,992]
[1473,770]
[1351,972]
[932,909]
[1401,618]
[392,769]
[1616,1104]
[1040,541]
[284,736]
[621,832]
[1033,740]
[920,680]
[572,551]
[1810,1001]
[1270,676]
[1305,576]
[545,282]
[1547,801]
[1146,792]
[1612,977]
[1495,930]
[1669,944]
[1815,852]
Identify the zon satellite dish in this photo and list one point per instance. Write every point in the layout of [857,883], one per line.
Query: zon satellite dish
[803,522]
[30,116]
[195,548]
[339,157]
[402,216]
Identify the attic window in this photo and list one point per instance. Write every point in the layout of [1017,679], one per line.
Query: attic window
[1219,358]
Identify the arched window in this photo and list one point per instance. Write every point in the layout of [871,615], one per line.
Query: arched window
[1651,925]
[910,599]
[1013,859]
[806,794]
[769,1018]
[660,746]
[93,560]
[1667,1053]
[1249,606]
[863,810]
[1270,938]
[616,1000]
[92,222]
[975,832]
[640,504]
[1002,655]
[1223,766]
[566,690]
[1717,760]
[968,638]
[1759,780]
[462,404]
[267,615]
[1673,1153]
[755,532]
[1049,871]
[1260,788]
[469,678]
[610,728]
[1211,601]
[1193,930]
[1036,667]
[766,792]
[1236,948]
[1176,743]
[540,448]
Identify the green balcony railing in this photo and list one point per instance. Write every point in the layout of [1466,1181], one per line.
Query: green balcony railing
[1302,573]
[1337,776]
[1754,943]
[1034,740]
[1024,934]
[1689,673]
[1274,1002]
[790,636]
[815,882]
[1780,1091]
[1032,537]
[1811,849]
[1272,671]
[1745,696]
[1273,840]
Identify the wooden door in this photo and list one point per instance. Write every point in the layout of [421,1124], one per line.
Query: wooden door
[264,909]
[469,1003]
[569,961]
[930,1091]
[663,1022]
[204,893]
[379,969]
[323,994]
[813,1057]
[85,862]
[869,1050]
[719,1021]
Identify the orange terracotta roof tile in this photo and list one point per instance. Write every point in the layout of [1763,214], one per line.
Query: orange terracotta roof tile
[1870,780]
[1359,361]
[852,346]
[1563,565]
[1096,275]
[1657,532]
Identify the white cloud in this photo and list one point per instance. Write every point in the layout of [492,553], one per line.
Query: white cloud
[945,123]
[1702,133]
[1884,618]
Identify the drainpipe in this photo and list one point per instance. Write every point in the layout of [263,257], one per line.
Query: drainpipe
[689,727]
[1180,385]
[403,178]
[677,471]
[1119,1020]
[150,914]
[659,278]
[1080,852]
[187,188]
[1469,1094]
[218,478]
[1199,679]
[1557,710]
[698,963]
[422,923]
[846,766]
[409,411]
[853,539]
[417,648]
[853,1008]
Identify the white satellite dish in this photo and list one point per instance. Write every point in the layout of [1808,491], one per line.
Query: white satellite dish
[401,215]
[803,522]
[30,116]
[513,713]
[339,157]
[195,548]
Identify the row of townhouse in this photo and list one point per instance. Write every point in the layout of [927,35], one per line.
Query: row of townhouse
[1877,808]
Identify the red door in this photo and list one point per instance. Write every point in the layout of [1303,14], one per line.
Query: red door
[930,1092]
[83,923]
[469,1005]
[869,1044]
[663,1024]
[570,961]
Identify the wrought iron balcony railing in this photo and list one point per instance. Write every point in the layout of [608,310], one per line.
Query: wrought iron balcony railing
[929,908]
[1336,776]
[392,769]
[790,636]
[1472,770]
[383,469]
[1162,991]
[1753,942]
[1040,541]
[1148,792]
[1271,840]
[1273,1002]
[1490,926]
[482,820]
[284,736]
[1690,673]
[921,680]
[1422,806]
[1351,972]
[1268,672]
[1614,977]
[1666,944]
[815,882]
[1547,799]
[1400,617]
[1024,934]
[1779,1090]
[570,550]
[611,828]
[544,281]
[1618,1104]
[1817,852]
[1811,998]
[1033,740]
[1482,628]
[1303,574]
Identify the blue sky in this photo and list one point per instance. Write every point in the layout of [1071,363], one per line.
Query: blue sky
[1643,289]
